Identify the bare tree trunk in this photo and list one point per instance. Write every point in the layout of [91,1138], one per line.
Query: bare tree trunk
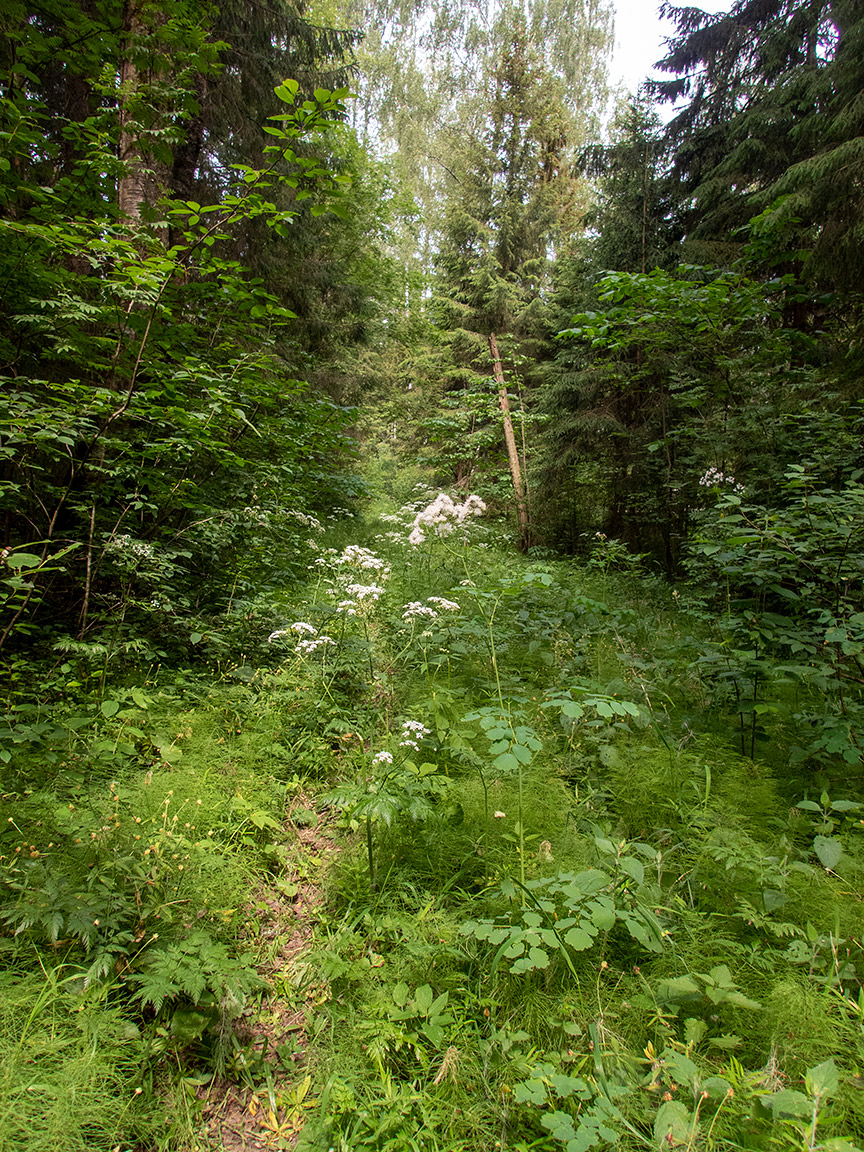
[512,451]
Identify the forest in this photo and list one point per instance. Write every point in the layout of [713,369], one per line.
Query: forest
[431,602]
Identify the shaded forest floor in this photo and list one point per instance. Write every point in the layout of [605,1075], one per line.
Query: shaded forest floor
[465,854]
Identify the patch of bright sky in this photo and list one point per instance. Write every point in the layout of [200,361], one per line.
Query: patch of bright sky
[640,39]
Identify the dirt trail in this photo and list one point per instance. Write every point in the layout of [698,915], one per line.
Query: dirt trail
[273,1038]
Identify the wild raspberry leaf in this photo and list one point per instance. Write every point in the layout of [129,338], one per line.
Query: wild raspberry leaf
[716,1086]
[823,1080]
[672,1125]
[681,1068]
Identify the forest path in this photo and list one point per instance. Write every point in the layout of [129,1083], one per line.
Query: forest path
[268,1111]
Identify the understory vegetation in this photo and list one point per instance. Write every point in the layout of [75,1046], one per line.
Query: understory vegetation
[431,611]
[563,904]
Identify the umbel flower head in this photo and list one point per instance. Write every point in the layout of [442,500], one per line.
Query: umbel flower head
[443,515]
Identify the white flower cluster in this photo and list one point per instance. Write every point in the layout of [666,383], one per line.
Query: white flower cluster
[254,514]
[415,609]
[412,731]
[371,592]
[304,518]
[362,558]
[382,758]
[139,549]
[713,478]
[304,647]
[442,515]
[346,608]
[307,647]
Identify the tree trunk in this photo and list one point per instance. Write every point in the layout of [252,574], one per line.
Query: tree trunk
[143,179]
[132,183]
[512,452]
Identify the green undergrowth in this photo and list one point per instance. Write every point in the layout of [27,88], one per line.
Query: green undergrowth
[569,909]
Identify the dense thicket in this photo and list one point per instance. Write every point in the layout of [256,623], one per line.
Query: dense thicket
[163,219]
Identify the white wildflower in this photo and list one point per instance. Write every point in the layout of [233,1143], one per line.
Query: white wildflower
[382,758]
[714,478]
[307,647]
[415,727]
[444,605]
[304,629]
[304,518]
[359,557]
[442,515]
[365,591]
[347,608]
[138,549]
[415,609]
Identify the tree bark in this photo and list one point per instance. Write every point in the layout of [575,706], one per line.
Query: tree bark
[131,186]
[512,451]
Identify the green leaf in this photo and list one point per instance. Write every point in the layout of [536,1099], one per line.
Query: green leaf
[788,1103]
[578,939]
[602,915]
[672,1125]
[530,1092]
[560,1125]
[829,850]
[506,762]
[109,708]
[823,1080]
[633,867]
[23,560]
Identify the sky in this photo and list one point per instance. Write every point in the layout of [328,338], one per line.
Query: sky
[639,34]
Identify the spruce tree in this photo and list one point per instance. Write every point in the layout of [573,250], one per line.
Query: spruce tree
[773,124]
